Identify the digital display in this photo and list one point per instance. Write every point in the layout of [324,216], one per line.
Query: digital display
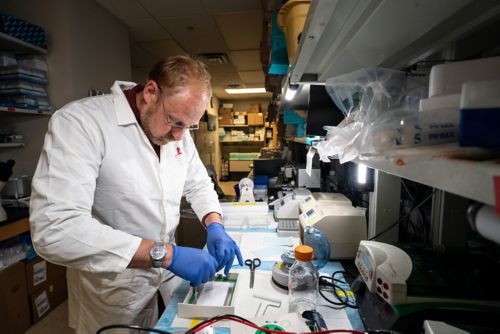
[310,213]
[308,199]
[364,258]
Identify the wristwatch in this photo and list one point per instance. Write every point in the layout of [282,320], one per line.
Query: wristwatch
[158,254]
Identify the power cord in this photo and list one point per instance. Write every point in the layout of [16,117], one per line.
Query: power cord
[245,322]
[238,319]
[136,327]
[331,282]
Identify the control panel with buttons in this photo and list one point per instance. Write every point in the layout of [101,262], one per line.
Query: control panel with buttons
[384,269]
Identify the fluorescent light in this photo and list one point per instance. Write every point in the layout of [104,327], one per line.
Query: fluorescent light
[291,91]
[290,94]
[245,90]
[361,173]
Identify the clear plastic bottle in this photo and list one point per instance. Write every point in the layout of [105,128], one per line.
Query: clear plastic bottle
[303,282]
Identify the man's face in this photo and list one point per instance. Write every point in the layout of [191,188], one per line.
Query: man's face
[168,118]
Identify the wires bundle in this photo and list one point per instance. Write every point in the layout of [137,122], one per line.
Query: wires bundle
[335,285]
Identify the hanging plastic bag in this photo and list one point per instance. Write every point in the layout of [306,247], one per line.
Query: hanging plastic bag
[381,113]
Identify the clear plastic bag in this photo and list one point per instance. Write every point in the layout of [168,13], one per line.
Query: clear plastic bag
[381,108]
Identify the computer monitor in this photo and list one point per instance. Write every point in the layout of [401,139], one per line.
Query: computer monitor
[321,111]
[267,167]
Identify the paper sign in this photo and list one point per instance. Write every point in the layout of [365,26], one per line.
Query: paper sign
[42,304]
[309,160]
[39,272]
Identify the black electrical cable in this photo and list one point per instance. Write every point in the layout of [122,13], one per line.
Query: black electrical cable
[402,219]
[343,301]
[136,327]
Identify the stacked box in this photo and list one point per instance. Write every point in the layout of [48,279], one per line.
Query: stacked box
[24,84]
[240,118]
[23,30]
[225,116]
[14,308]
[255,119]
[254,108]
[46,284]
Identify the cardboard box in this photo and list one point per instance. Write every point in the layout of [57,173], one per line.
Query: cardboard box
[225,121]
[53,293]
[255,119]
[239,121]
[225,112]
[240,165]
[14,307]
[39,272]
[254,108]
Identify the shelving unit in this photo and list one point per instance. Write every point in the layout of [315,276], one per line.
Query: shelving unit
[17,46]
[25,111]
[6,145]
[466,177]
[12,44]
[343,36]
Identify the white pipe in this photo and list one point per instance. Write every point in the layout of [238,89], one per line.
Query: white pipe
[485,221]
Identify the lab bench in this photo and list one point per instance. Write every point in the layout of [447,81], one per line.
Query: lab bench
[247,303]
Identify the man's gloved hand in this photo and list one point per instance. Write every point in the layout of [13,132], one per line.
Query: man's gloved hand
[192,264]
[222,247]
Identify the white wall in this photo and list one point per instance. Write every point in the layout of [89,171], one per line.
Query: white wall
[88,48]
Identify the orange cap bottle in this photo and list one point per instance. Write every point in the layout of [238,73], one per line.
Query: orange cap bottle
[303,253]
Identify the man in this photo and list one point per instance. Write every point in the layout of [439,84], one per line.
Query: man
[108,185]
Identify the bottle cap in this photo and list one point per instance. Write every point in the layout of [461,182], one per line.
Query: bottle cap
[303,253]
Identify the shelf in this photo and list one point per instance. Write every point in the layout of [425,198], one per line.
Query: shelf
[13,44]
[469,175]
[240,126]
[15,228]
[343,36]
[5,145]
[25,111]
[244,141]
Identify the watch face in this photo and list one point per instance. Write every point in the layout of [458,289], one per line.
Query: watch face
[158,252]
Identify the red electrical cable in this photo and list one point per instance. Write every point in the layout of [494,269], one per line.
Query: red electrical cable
[267,330]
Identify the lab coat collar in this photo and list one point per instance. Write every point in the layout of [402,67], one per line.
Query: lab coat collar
[124,114]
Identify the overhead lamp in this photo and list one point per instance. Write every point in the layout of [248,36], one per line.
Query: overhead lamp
[362,171]
[291,91]
[245,90]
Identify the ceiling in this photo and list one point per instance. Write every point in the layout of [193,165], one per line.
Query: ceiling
[233,28]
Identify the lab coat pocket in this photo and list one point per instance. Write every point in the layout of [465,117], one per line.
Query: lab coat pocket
[127,288]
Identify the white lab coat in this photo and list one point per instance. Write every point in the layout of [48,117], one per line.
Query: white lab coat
[99,189]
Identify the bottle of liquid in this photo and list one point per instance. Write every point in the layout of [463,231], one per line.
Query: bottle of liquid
[303,282]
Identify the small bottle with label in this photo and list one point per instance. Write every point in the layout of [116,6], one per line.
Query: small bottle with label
[303,282]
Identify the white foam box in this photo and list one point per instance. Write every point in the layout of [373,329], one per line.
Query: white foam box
[480,94]
[447,79]
[191,310]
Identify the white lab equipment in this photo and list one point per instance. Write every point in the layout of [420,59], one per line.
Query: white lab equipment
[213,298]
[287,207]
[246,190]
[320,198]
[344,227]
[384,269]
[245,214]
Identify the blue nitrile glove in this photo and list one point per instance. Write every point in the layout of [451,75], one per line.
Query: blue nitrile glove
[192,264]
[222,247]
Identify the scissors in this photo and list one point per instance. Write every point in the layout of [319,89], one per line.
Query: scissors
[252,264]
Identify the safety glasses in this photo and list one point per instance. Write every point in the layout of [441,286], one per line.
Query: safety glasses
[177,125]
